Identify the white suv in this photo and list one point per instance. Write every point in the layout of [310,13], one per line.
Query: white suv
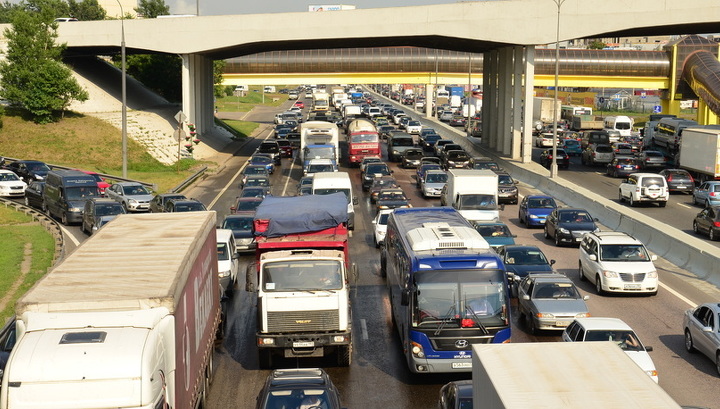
[645,187]
[617,262]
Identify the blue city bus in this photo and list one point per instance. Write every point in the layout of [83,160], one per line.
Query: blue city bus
[448,289]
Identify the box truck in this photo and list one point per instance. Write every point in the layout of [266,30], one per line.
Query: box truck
[474,193]
[302,274]
[128,320]
[700,152]
[561,375]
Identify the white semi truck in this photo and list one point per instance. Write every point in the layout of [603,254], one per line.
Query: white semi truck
[128,320]
[700,152]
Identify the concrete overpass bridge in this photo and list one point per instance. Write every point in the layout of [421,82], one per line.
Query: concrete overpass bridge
[506,32]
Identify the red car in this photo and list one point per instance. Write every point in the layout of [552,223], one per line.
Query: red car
[299,104]
[102,184]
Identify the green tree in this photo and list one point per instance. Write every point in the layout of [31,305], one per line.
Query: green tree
[33,75]
[152,8]
[218,71]
[86,10]
[596,45]
[6,11]
[159,72]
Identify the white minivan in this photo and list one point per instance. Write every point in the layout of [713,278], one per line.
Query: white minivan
[227,259]
[326,183]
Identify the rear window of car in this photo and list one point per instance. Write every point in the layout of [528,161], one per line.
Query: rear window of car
[653,154]
[651,181]
[603,149]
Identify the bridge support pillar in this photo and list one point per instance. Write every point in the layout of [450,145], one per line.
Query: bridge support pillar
[491,115]
[429,92]
[527,106]
[670,106]
[516,141]
[704,115]
[197,91]
[505,75]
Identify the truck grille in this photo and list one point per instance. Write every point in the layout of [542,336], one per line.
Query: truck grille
[632,278]
[303,321]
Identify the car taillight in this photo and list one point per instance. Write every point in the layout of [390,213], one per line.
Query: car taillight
[669,178]
[713,194]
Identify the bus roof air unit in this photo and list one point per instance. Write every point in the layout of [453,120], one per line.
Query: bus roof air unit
[441,236]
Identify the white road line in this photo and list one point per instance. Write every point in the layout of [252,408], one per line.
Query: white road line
[684,205]
[678,295]
[363,328]
[67,233]
[234,178]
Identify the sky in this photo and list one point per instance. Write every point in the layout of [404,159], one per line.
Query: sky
[228,7]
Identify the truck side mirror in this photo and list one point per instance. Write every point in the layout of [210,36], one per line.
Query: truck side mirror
[552,262]
[355,273]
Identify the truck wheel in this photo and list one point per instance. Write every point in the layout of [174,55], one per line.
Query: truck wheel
[344,355]
[265,359]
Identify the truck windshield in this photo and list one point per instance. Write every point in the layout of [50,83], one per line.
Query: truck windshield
[325,152]
[330,191]
[364,138]
[81,193]
[320,168]
[477,202]
[302,275]
[448,298]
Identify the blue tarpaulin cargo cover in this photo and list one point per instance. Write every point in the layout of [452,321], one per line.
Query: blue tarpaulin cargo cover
[300,214]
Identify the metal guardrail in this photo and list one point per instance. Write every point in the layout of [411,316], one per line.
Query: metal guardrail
[185,183]
[46,221]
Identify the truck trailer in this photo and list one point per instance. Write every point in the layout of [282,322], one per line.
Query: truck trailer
[700,152]
[544,110]
[302,276]
[561,375]
[128,320]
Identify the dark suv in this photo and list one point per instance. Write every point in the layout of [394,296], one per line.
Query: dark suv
[271,148]
[298,388]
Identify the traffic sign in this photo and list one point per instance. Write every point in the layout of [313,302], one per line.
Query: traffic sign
[601,100]
[657,109]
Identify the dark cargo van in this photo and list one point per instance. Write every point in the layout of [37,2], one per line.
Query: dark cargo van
[66,192]
[594,138]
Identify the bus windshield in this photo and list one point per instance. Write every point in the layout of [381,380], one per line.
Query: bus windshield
[450,298]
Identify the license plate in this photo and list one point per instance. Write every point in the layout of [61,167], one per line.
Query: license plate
[681,186]
[561,323]
[632,286]
[303,344]
[458,365]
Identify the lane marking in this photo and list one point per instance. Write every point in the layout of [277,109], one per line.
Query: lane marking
[678,295]
[67,233]
[687,206]
[232,180]
[363,329]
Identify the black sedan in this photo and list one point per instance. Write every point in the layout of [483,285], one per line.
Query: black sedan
[522,260]
[707,222]
[29,170]
[568,225]
[563,159]
[34,195]
[622,166]
[678,180]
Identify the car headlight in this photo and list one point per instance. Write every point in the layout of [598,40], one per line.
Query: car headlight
[564,230]
[223,274]
[544,315]
[245,241]
[610,274]
[652,274]
[132,201]
[532,216]
[396,152]
[74,209]
[582,315]
[38,177]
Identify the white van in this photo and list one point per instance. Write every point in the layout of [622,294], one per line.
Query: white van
[622,124]
[269,88]
[326,183]
[227,259]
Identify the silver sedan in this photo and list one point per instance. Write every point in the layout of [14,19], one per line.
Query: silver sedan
[702,331]
[550,301]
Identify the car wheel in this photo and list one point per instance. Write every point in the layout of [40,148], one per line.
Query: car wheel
[711,234]
[695,228]
[717,362]
[64,219]
[598,285]
[27,201]
[520,217]
[557,240]
[125,207]
[580,272]
[689,346]
[632,201]
[547,234]
[620,196]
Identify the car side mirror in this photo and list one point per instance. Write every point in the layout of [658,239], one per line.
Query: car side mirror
[648,349]
[526,297]
[585,298]
[653,257]
[552,262]
[592,257]
[405,297]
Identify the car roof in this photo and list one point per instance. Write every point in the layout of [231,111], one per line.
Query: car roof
[539,197]
[304,376]
[549,277]
[521,247]
[105,200]
[602,323]
[615,237]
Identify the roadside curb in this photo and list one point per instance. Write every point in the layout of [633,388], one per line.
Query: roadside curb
[46,221]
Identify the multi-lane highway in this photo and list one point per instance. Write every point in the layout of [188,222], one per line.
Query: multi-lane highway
[378,377]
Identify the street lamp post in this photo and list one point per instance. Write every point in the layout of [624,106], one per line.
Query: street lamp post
[553,166]
[123,91]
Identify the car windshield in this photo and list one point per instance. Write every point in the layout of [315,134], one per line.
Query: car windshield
[8,177]
[108,209]
[452,298]
[555,290]
[135,190]
[377,169]
[625,339]
[623,252]
[238,223]
[81,193]
[298,398]
[505,180]
[542,203]
[574,217]
[302,275]
[526,257]
[257,182]
[436,178]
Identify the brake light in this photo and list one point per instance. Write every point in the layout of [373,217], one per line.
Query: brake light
[716,224]
[669,178]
